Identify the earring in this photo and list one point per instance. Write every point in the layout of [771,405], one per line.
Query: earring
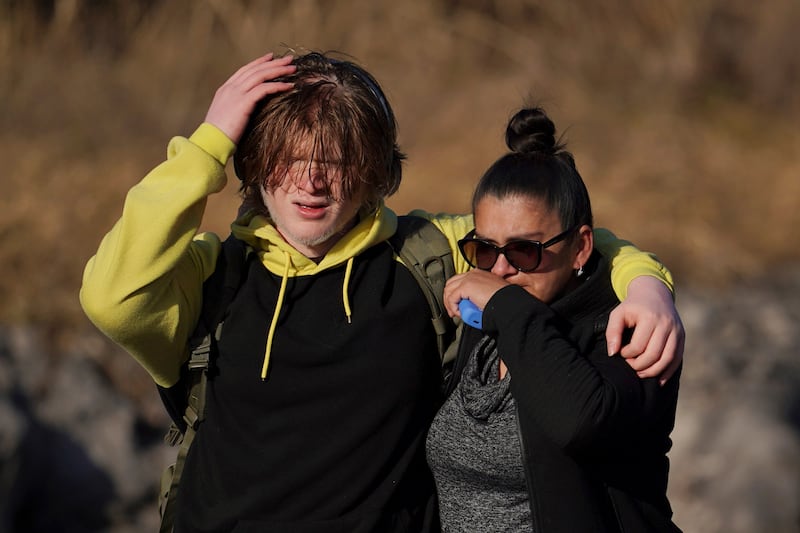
[579,272]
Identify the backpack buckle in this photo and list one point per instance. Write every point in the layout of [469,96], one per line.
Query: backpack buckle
[200,354]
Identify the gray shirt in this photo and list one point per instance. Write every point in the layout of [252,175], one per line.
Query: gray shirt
[473,448]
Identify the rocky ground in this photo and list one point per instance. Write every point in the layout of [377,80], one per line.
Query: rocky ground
[80,452]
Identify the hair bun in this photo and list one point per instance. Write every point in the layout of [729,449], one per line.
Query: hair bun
[531,131]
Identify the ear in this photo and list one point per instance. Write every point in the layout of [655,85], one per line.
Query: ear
[585,245]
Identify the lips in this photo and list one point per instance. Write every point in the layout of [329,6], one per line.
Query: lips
[309,210]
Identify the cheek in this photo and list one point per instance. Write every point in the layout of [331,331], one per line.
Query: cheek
[335,187]
[266,197]
[547,284]
[535,286]
[350,209]
[349,205]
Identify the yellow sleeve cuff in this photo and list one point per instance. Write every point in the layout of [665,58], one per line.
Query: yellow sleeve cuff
[214,142]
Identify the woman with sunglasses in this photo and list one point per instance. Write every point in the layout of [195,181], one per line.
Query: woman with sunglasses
[542,430]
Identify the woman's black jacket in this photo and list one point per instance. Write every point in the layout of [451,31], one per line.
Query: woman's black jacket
[595,436]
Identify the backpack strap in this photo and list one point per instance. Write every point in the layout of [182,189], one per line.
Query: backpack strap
[190,391]
[426,252]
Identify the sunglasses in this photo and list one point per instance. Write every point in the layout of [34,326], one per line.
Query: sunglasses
[523,255]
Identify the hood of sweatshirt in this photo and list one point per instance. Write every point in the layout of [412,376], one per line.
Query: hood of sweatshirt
[282,259]
[260,234]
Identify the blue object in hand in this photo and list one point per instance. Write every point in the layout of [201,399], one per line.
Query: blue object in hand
[470,314]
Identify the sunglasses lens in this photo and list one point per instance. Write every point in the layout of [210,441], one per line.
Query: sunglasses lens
[479,254]
[485,256]
[523,255]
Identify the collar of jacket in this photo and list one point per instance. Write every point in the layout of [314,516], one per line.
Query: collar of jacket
[260,233]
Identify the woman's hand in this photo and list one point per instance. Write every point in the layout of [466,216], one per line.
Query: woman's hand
[656,348]
[478,286]
[235,100]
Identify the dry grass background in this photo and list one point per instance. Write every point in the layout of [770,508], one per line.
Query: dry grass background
[681,114]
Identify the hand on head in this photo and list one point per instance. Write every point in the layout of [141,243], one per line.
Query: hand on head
[235,100]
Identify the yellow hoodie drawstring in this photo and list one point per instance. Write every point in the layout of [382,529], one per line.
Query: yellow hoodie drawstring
[275,315]
[345,297]
[279,304]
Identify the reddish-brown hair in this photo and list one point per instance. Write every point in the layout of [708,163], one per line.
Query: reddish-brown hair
[338,111]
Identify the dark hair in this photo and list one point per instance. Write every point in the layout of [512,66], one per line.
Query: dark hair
[538,166]
[341,109]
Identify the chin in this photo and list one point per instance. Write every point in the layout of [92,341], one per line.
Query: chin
[315,239]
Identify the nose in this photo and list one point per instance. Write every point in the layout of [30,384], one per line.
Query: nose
[502,267]
[311,179]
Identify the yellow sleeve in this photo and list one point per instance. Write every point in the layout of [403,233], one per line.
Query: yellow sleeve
[628,262]
[143,287]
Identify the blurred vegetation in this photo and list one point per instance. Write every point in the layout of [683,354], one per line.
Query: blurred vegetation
[682,115]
